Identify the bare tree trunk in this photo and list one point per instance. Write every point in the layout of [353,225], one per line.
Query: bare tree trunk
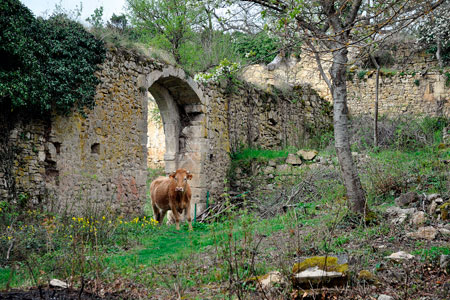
[377,86]
[355,192]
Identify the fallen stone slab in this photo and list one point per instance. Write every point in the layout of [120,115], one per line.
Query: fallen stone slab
[320,271]
[58,283]
[401,255]
[432,197]
[444,231]
[268,280]
[418,218]
[395,210]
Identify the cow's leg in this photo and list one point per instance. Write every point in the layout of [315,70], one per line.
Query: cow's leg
[187,215]
[163,214]
[176,215]
[156,213]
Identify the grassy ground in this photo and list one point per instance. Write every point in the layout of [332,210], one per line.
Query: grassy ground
[138,259]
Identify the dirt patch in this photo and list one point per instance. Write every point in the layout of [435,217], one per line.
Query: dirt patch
[48,293]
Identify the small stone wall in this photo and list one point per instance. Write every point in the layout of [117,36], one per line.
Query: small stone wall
[99,161]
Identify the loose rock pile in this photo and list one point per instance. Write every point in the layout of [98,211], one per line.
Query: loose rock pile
[428,214]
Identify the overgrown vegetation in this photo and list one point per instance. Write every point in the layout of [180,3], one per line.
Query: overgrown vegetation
[257,231]
[259,48]
[400,133]
[48,64]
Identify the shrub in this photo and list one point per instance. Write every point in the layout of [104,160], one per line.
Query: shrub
[385,178]
[403,132]
[259,48]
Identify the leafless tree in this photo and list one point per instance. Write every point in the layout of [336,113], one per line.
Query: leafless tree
[333,26]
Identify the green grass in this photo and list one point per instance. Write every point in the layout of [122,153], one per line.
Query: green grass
[432,254]
[168,244]
[250,153]
[394,171]
[158,247]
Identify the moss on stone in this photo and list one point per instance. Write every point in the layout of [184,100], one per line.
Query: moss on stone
[326,263]
[445,211]
[368,277]
[371,217]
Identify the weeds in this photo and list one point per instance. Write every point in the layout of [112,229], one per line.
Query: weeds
[40,243]
[403,133]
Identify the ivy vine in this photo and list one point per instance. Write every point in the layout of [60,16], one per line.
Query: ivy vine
[47,64]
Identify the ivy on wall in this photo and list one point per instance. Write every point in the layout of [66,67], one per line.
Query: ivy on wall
[47,64]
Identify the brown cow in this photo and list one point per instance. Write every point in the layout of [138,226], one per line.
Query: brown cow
[172,193]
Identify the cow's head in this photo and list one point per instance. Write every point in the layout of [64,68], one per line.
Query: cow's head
[181,176]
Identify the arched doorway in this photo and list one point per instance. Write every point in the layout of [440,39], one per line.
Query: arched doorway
[182,107]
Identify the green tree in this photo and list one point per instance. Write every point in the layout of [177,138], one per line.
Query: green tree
[171,23]
[20,70]
[95,20]
[118,22]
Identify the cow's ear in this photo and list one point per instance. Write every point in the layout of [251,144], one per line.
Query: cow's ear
[172,175]
[189,176]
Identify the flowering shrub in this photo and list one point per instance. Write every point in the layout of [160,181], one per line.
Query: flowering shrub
[435,32]
[224,69]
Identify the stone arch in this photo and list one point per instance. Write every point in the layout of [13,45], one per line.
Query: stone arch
[182,106]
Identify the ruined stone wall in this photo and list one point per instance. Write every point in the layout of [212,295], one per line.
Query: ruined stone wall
[99,161]
[245,116]
[23,169]
[411,85]
[400,94]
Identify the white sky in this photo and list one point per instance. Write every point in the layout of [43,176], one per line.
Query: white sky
[46,7]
